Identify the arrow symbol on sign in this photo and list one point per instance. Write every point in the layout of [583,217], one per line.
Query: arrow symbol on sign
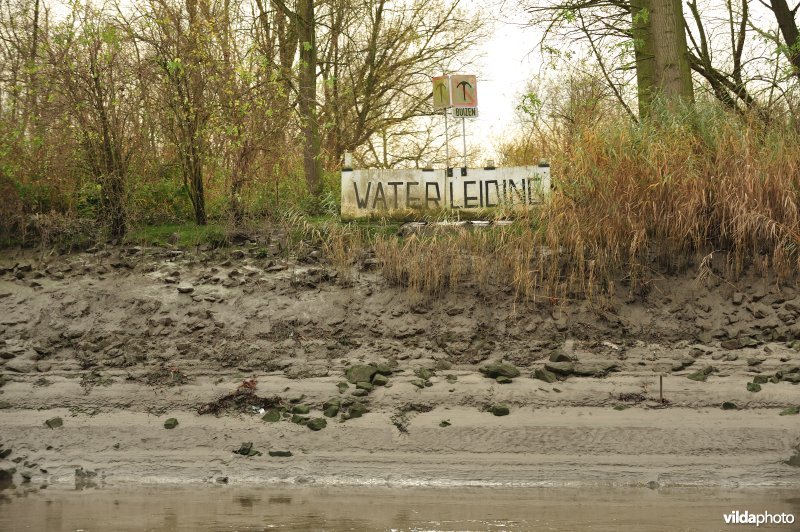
[463,86]
[441,88]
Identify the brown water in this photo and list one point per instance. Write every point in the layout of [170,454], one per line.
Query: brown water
[230,508]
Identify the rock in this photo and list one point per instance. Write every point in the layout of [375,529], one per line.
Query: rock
[364,386]
[544,375]
[701,375]
[760,379]
[424,373]
[6,479]
[755,361]
[620,408]
[331,408]
[444,423]
[272,415]
[734,343]
[301,409]
[794,461]
[731,357]
[357,409]
[727,405]
[54,423]
[503,380]
[380,380]
[794,378]
[246,449]
[4,454]
[594,367]
[318,423]
[493,370]
[360,393]
[280,454]
[738,298]
[300,420]
[753,387]
[419,383]
[559,368]
[185,289]
[171,423]
[383,368]
[791,411]
[560,357]
[343,386]
[500,409]
[360,373]
[20,365]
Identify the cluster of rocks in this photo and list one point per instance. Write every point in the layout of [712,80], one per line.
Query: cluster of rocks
[366,377]
[561,366]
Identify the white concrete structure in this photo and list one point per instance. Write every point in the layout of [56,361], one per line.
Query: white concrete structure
[400,193]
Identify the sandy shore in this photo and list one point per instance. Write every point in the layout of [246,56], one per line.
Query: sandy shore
[115,343]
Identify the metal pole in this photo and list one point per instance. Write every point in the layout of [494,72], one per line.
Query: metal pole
[446,140]
[464,137]
[446,155]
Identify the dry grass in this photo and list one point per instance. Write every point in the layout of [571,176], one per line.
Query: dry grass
[632,202]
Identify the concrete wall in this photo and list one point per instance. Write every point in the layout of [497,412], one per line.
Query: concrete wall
[400,193]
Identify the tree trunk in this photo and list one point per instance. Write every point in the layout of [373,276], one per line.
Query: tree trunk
[643,53]
[791,35]
[671,58]
[662,57]
[312,164]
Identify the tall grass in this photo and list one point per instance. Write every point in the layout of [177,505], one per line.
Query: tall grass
[631,202]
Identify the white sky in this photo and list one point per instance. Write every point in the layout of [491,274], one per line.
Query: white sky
[509,59]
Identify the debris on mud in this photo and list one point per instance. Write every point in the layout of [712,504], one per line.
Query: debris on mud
[243,400]
[166,376]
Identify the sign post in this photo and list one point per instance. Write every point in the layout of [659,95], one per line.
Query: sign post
[464,98]
[442,100]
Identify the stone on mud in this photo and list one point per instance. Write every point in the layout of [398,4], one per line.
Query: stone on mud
[54,422]
[560,368]
[594,368]
[318,423]
[280,454]
[544,375]
[364,386]
[728,405]
[761,379]
[332,410]
[701,374]
[360,373]
[273,415]
[500,409]
[493,370]
[560,357]
[753,387]
[357,409]
[380,380]
[503,380]
[791,411]
[171,423]
[301,409]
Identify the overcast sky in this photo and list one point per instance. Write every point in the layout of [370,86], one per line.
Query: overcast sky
[510,58]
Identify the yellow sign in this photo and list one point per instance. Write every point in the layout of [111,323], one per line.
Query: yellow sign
[464,90]
[441,92]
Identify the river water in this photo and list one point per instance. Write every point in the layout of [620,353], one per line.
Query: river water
[232,508]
